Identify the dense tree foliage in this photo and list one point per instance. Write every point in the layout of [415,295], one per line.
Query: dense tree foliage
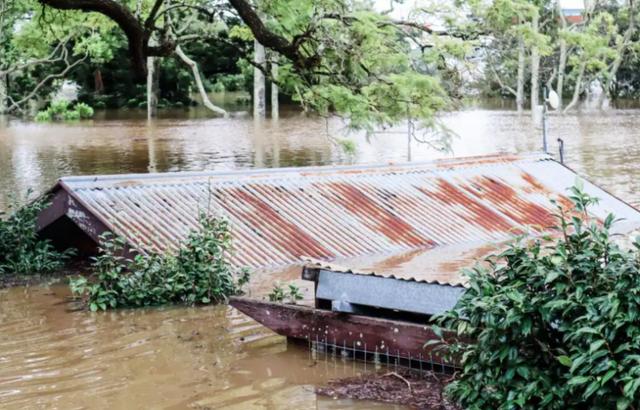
[553,323]
[527,44]
[334,56]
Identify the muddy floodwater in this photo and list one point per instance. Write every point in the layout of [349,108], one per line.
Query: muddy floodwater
[54,356]
[602,146]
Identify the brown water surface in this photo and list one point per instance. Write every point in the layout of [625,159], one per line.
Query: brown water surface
[212,357]
[602,146]
[55,357]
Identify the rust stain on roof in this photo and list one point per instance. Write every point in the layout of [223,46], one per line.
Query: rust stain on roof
[455,266]
[375,216]
[470,210]
[536,186]
[510,203]
[441,265]
[279,216]
[479,160]
[268,223]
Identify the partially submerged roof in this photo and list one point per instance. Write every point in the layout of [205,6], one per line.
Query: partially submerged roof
[441,265]
[281,216]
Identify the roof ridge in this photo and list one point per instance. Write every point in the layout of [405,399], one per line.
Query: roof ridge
[478,160]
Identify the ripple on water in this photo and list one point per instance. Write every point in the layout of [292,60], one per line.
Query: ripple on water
[52,356]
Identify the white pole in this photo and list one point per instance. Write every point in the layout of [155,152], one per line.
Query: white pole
[259,103]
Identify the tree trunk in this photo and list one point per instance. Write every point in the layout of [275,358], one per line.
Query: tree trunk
[626,41]
[98,84]
[275,105]
[578,89]
[562,61]
[259,103]
[521,68]
[535,68]
[3,93]
[196,75]
[153,85]
[562,66]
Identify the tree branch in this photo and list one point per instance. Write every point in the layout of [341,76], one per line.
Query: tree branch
[137,37]
[49,59]
[151,18]
[269,39]
[196,75]
[69,66]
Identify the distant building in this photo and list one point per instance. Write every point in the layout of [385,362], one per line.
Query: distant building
[572,10]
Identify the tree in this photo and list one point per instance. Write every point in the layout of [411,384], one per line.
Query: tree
[336,55]
[536,41]
[622,45]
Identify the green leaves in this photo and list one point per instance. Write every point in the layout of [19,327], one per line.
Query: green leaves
[60,110]
[565,360]
[198,273]
[21,250]
[554,324]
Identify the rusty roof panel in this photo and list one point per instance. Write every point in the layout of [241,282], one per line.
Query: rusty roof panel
[441,265]
[281,216]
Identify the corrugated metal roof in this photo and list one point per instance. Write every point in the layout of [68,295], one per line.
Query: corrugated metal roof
[281,216]
[442,265]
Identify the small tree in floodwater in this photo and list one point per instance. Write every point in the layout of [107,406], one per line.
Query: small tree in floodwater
[22,251]
[199,272]
[554,323]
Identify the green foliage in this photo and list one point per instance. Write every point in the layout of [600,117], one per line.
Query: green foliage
[21,250]
[84,111]
[280,295]
[198,273]
[590,47]
[554,323]
[367,72]
[277,294]
[348,146]
[61,110]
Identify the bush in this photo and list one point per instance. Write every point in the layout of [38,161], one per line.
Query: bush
[199,272]
[71,115]
[43,116]
[553,324]
[84,111]
[60,110]
[21,250]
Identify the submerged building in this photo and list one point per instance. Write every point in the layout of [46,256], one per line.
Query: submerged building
[383,244]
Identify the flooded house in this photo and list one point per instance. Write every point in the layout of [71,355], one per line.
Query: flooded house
[383,245]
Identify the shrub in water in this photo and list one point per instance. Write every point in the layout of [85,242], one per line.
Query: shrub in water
[84,111]
[71,115]
[21,250]
[43,116]
[199,272]
[60,110]
[554,324]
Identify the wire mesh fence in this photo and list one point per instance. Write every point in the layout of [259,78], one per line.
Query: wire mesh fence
[378,358]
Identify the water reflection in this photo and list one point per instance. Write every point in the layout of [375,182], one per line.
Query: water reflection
[602,146]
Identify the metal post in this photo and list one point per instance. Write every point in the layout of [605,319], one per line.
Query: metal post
[544,121]
[561,150]
[409,140]
[409,133]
